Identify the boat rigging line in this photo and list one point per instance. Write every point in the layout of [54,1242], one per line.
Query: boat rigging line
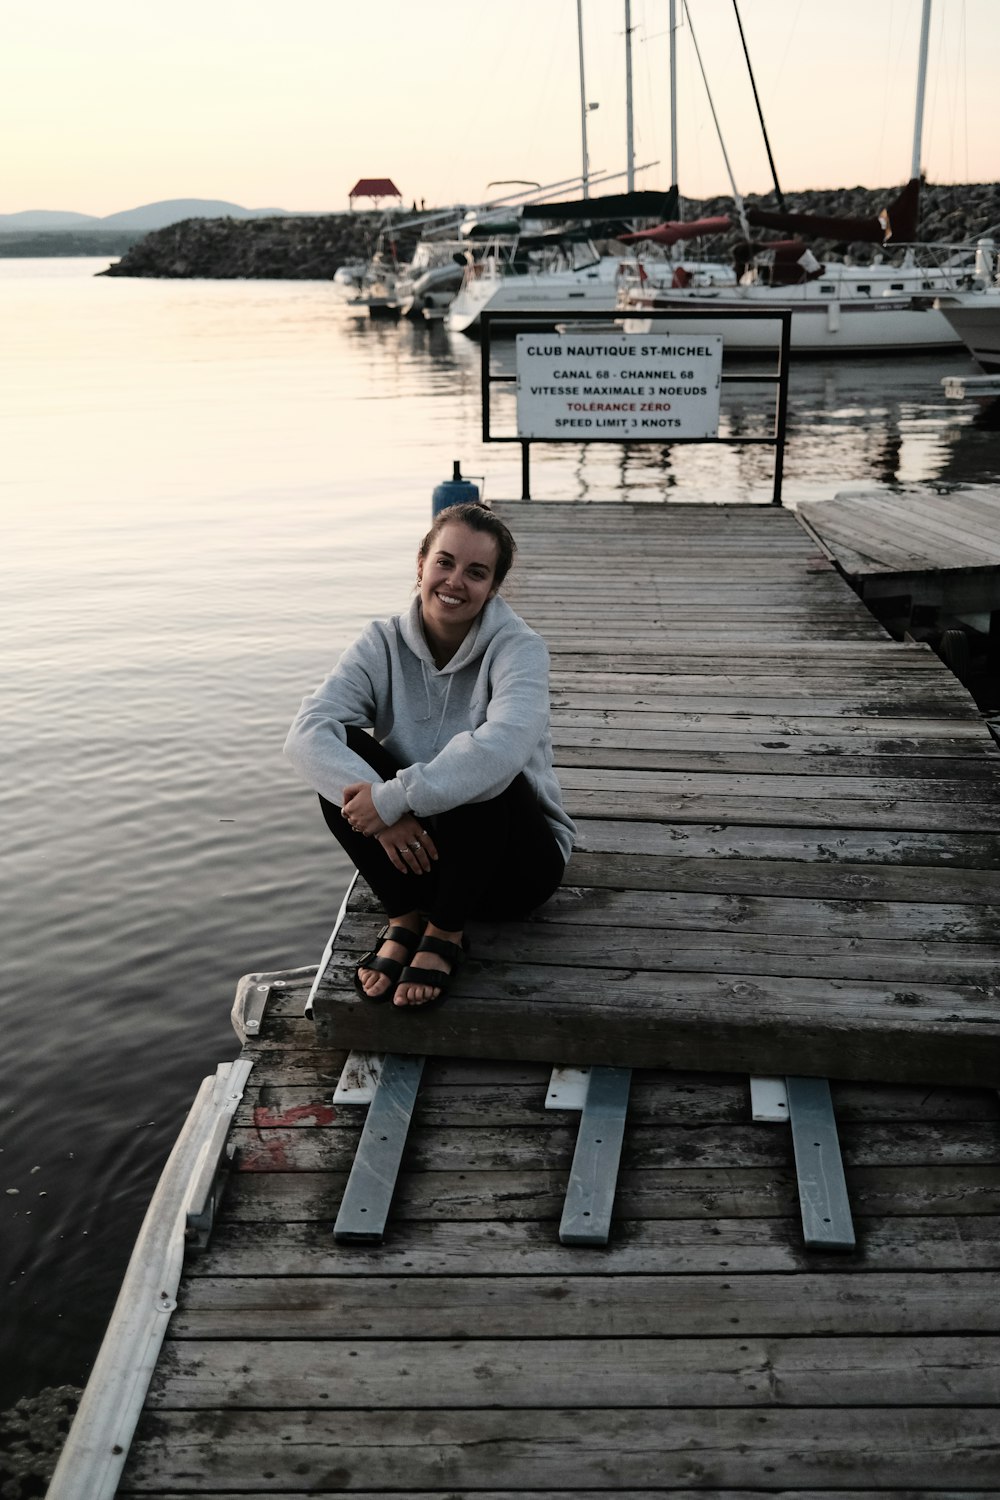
[737,197]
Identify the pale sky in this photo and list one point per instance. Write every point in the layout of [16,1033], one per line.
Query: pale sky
[107,106]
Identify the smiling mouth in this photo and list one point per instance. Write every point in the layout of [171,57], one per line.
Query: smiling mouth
[449,600]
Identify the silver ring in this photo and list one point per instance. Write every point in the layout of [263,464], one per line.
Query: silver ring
[415,844]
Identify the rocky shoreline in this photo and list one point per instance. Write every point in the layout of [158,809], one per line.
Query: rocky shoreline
[313,248]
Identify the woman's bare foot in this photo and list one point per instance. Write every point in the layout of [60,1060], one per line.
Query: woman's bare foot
[419,994]
[372,981]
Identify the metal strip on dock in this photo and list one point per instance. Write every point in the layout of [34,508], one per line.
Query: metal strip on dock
[593,1178]
[826,1208]
[368,1195]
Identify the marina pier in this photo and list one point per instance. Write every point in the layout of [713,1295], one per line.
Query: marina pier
[768,989]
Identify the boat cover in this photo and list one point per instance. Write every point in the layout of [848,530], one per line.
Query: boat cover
[897,222]
[669,234]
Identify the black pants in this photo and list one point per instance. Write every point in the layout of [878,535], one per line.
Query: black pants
[497,860]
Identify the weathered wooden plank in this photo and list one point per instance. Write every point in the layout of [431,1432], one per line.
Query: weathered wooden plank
[623,1018]
[519,990]
[861,704]
[587,651]
[575,1306]
[787,812]
[705,1193]
[673,948]
[620,1494]
[975,771]
[904,692]
[860,728]
[661,1247]
[283,1097]
[580,1372]
[927,920]
[915,1446]
[618,870]
[786,785]
[873,848]
[538,1147]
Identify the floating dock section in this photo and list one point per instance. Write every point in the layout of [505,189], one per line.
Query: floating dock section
[684,1262]
[925,561]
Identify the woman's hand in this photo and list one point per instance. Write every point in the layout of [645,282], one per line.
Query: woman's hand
[409,846]
[359,809]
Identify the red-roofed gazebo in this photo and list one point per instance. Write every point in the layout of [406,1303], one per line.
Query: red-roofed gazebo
[375,188]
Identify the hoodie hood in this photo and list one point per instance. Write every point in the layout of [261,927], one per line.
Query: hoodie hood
[495,616]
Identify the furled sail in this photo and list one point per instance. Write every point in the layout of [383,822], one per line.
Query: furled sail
[674,231]
[897,222]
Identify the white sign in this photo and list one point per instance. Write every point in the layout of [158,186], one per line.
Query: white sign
[594,386]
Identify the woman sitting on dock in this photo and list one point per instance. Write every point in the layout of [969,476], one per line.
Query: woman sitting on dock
[463,816]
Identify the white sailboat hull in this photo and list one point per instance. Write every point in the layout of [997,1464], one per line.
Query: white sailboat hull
[850,310]
[975,319]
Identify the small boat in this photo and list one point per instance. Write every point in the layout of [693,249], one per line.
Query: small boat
[428,284]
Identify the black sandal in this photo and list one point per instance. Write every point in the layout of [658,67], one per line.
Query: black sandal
[435,979]
[391,967]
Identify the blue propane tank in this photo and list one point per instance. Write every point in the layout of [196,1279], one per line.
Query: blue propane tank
[453,491]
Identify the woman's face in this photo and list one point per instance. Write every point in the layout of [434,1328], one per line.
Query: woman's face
[456,577]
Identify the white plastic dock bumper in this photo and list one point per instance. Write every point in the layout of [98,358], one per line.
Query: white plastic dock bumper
[91,1463]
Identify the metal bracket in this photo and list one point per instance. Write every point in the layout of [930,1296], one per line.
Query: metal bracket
[769,1100]
[823,1200]
[593,1178]
[567,1088]
[365,1205]
[248,1015]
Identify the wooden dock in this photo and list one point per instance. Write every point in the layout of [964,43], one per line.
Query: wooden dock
[788,823]
[789,831]
[922,559]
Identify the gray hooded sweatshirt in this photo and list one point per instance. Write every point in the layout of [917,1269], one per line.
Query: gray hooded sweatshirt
[461,732]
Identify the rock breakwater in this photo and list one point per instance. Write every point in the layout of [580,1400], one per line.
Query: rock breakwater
[314,247]
[293,248]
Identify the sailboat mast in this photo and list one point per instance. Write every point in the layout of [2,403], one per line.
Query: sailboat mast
[629,146]
[673,93]
[583,101]
[918,123]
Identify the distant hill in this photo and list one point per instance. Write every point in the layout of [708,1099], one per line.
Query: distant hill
[47,218]
[148,216]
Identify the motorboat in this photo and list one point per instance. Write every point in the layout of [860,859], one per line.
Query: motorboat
[426,287]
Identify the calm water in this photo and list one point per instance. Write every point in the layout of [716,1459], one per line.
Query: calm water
[209,487]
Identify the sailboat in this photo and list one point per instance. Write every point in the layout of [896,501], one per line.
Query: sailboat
[553,266]
[886,307]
